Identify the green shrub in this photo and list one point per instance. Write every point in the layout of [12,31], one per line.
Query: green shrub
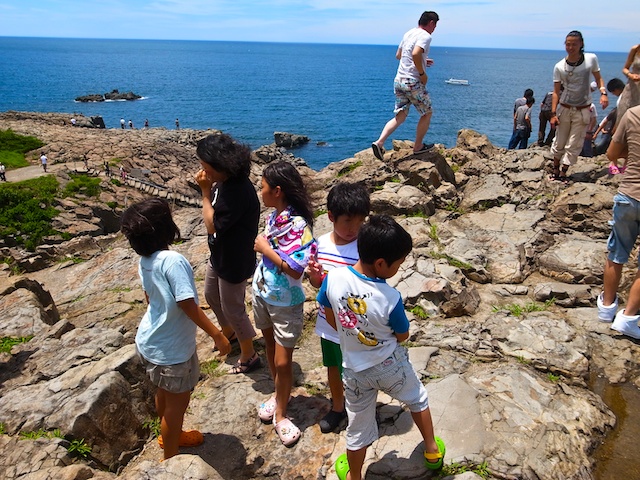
[26,211]
[89,186]
[349,168]
[77,448]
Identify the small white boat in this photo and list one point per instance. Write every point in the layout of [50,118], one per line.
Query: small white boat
[457,81]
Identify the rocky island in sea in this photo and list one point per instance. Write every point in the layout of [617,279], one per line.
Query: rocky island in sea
[500,287]
[113,95]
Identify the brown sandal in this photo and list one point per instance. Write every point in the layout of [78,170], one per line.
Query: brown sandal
[248,366]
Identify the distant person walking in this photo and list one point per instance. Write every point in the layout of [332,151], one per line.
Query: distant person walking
[545,117]
[177,124]
[122,123]
[570,109]
[107,169]
[131,124]
[146,123]
[522,125]
[410,84]
[3,174]
[44,160]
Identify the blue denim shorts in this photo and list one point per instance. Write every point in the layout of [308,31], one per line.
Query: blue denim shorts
[396,377]
[411,92]
[625,227]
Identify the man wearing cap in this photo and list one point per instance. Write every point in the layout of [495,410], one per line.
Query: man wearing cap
[410,84]
[570,109]
[625,227]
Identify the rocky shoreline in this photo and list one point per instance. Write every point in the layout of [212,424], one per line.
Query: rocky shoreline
[500,286]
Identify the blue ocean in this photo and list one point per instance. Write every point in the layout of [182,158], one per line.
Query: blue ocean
[338,95]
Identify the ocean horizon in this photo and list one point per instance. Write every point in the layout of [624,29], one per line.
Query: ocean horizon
[339,95]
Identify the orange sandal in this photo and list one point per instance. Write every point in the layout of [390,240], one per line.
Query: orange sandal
[188,438]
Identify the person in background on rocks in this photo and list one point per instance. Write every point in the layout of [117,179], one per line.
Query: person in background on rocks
[131,124]
[545,117]
[348,205]
[107,169]
[570,109]
[73,122]
[123,174]
[522,125]
[122,123]
[630,96]
[278,297]
[44,161]
[370,319]
[601,144]
[587,145]
[625,227]
[528,93]
[177,124]
[146,123]
[85,161]
[166,336]
[410,84]
[3,172]
[615,86]
[231,213]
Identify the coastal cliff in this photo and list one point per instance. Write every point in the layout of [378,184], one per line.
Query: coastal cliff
[500,287]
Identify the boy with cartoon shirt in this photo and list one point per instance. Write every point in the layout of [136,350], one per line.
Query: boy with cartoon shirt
[370,319]
[348,205]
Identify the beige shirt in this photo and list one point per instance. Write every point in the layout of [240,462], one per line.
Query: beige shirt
[628,134]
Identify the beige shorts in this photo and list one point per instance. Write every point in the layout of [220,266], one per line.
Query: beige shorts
[286,322]
[179,378]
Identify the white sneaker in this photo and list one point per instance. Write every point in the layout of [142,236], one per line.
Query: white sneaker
[627,325]
[606,313]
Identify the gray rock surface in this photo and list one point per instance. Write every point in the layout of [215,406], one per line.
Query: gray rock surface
[500,289]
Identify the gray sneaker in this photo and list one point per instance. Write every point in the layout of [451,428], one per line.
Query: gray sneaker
[606,313]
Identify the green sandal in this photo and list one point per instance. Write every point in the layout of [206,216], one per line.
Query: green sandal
[434,461]
[342,466]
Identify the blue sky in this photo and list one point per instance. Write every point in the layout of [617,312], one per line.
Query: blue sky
[540,24]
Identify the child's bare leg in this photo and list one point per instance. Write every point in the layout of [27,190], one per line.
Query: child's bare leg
[356,460]
[173,406]
[283,379]
[336,388]
[423,422]
[270,350]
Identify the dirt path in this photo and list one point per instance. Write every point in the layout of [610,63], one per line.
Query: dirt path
[33,171]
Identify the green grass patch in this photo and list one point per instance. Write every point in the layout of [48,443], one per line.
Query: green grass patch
[456,468]
[82,184]
[419,312]
[319,211]
[552,377]
[7,343]
[3,428]
[211,369]
[349,168]
[26,211]
[13,159]
[153,425]
[454,262]
[41,433]
[14,146]
[518,310]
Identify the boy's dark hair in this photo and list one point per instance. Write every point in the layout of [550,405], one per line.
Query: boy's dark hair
[225,155]
[149,227]
[426,17]
[615,84]
[348,199]
[382,237]
[528,93]
[530,101]
[284,175]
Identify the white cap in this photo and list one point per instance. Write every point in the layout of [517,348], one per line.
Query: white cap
[594,86]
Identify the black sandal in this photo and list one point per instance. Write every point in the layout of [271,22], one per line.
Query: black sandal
[248,366]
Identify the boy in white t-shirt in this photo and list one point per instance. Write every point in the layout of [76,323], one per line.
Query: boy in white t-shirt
[371,322]
[348,205]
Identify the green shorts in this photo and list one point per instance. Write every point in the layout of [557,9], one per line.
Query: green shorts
[331,354]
